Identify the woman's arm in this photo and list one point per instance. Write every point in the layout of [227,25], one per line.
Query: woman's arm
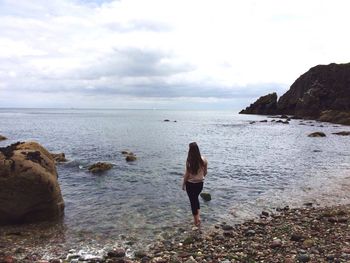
[185,178]
[205,167]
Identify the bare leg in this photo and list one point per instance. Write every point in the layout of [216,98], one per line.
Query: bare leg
[197,220]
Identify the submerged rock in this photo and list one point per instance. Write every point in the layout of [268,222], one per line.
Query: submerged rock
[130,158]
[317,134]
[206,196]
[100,167]
[343,133]
[29,190]
[59,157]
[2,138]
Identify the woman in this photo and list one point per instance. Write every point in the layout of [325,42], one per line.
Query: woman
[196,170]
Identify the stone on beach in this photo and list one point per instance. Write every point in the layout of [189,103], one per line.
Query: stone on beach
[317,134]
[29,190]
[2,138]
[100,167]
[206,196]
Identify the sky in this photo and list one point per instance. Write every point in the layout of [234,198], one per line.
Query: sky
[163,54]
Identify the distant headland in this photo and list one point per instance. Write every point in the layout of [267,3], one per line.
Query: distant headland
[322,93]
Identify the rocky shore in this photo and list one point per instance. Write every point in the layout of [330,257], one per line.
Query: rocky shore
[308,234]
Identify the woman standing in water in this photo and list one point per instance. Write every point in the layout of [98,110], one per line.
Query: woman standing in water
[196,170]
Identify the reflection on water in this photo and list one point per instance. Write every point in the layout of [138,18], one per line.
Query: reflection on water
[251,167]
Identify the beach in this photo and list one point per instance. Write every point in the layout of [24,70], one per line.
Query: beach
[307,234]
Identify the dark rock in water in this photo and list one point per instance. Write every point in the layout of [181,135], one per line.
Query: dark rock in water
[206,196]
[166,120]
[251,122]
[227,227]
[130,158]
[264,213]
[100,167]
[2,138]
[343,133]
[264,105]
[127,152]
[308,204]
[29,190]
[317,134]
[285,122]
[263,121]
[59,157]
[284,117]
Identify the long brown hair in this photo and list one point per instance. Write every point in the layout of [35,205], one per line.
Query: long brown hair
[194,158]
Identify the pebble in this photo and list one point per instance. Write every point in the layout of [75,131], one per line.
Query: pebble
[276,243]
[303,258]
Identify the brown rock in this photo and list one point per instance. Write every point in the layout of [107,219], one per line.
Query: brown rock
[59,157]
[2,138]
[130,158]
[317,134]
[29,190]
[308,243]
[100,167]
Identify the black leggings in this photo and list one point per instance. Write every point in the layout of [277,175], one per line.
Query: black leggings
[193,190]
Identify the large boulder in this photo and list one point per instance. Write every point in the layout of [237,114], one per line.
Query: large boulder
[264,105]
[29,190]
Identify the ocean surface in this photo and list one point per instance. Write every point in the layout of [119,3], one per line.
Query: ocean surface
[252,167]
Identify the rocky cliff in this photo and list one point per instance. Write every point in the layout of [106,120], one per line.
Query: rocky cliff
[264,105]
[321,93]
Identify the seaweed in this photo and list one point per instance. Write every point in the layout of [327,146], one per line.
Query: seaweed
[8,150]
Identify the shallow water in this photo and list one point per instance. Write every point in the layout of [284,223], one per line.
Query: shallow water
[251,167]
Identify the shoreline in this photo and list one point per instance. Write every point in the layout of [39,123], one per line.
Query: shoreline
[304,234]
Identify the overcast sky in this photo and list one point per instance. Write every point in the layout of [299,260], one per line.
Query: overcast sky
[181,54]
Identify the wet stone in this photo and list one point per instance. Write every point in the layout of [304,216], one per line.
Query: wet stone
[303,258]
[227,227]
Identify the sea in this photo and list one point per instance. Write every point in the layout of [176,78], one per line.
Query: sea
[254,164]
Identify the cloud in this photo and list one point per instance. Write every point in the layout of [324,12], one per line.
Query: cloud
[163,50]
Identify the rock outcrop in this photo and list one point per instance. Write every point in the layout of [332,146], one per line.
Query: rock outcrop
[59,157]
[29,190]
[322,93]
[264,105]
[2,138]
[100,167]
